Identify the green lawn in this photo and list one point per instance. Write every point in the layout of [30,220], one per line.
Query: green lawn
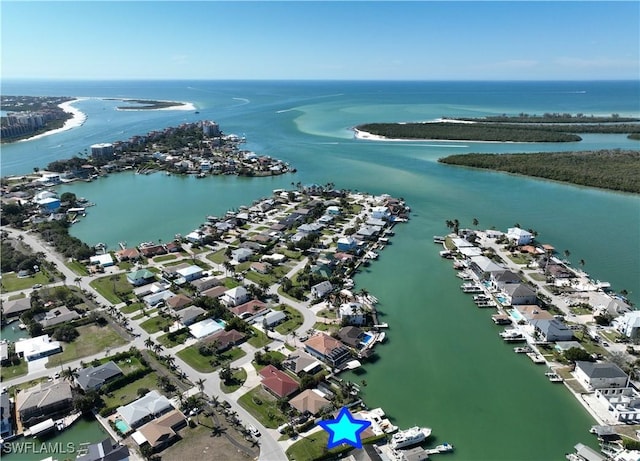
[109,285]
[231,283]
[77,267]
[262,406]
[273,354]
[131,308]
[159,259]
[326,326]
[276,274]
[129,392]
[127,365]
[537,276]
[259,339]
[217,257]
[315,446]
[519,258]
[13,371]
[92,339]
[239,376]
[145,314]
[11,282]
[202,363]
[292,254]
[18,296]
[294,319]
[155,324]
[178,339]
[125,265]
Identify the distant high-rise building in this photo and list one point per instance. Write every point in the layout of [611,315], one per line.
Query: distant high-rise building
[210,129]
[102,151]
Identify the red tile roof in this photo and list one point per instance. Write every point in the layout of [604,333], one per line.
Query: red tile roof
[278,382]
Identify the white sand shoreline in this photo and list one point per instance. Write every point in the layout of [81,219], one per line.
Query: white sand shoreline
[365,135]
[78,118]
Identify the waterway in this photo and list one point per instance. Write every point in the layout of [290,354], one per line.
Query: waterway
[444,364]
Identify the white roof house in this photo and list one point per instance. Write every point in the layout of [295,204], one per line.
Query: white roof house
[104,260]
[274,317]
[155,298]
[38,347]
[139,411]
[241,254]
[190,273]
[321,289]
[204,328]
[234,296]
[521,236]
[628,324]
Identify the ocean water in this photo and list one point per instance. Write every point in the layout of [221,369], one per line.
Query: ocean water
[444,365]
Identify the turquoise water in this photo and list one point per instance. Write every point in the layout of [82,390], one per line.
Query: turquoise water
[443,364]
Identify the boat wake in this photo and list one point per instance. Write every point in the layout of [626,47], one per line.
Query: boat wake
[243,100]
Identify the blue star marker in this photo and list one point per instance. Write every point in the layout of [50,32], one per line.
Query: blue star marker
[344,429]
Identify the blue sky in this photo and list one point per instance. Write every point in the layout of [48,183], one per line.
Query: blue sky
[321,40]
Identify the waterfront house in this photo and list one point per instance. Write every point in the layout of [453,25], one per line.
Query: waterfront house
[105,451]
[16,306]
[329,350]
[517,294]
[149,251]
[104,260]
[346,244]
[381,212]
[367,232]
[140,411]
[321,289]
[95,377]
[128,254]
[140,277]
[552,330]
[595,375]
[160,432]
[235,296]
[300,362]
[352,313]
[56,316]
[483,266]
[499,279]
[42,401]
[189,315]
[623,403]
[531,312]
[586,453]
[309,401]
[351,336]
[333,210]
[628,324]
[277,382]
[36,348]
[519,236]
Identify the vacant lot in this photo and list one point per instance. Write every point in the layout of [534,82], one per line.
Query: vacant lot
[92,339]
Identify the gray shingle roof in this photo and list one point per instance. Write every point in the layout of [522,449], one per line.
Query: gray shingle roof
[94,377]
[601,370]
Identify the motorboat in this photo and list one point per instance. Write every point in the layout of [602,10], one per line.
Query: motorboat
[409,437]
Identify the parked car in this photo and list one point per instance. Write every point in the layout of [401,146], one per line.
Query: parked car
[254,432]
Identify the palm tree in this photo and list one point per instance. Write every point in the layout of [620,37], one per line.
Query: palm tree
[157,348]
[77,281]
[171,361]
[69,374]
[200,384]
[149,344]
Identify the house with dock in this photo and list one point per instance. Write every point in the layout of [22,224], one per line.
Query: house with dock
[42,401]
[331,351]
[594,375]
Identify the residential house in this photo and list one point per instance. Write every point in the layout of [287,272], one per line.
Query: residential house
[241,254]
[277,382]
[215,292]
[104,260]
[352,313]
[329,350]
[483,266]
[347,244]
[622,403]
[381,212]
[173,247]
[178,301]
[189,315]
[250,309]
[36,348]
[224,339]
[160,432]
[518,294]
[235,296]
[301,362]
[6,416]
[309,401]
[95,377]
[596,375]
[149,251]
[499,279]
[628,324]
[155,298]
[56,316]
[147,407]
[552,330]
[171,272]
[16,307]
[190,273]
[367,232]
[321,289]
[351,336]
[531,312]
[205,283]
[140,277]
[128,254]
[260,268]
[105,451]
[273,318]
[519,236]
[333,210]
[42,401]
[586,453]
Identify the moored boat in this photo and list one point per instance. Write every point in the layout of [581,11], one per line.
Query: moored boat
[409,437]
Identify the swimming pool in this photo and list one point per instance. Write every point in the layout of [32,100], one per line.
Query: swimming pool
[502,300]
[367,338]
[516,315]
[122,426]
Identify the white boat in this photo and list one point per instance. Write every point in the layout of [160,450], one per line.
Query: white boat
[512,335]
[553,377]
[446,254]
[409,437]
[381,337]
[521,350]
[442,448]
[381,325]
[464,275]
[438,239]
[471,288]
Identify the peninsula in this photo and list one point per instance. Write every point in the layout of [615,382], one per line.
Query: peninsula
[31,116]
[614,169]
[521,128]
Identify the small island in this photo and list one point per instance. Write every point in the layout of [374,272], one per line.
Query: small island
[614,169]
[151,104]
[520,128]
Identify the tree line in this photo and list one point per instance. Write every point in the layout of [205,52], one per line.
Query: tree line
[614,169]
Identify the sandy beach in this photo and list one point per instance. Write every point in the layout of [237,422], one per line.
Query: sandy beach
[77,119]
[365,135]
